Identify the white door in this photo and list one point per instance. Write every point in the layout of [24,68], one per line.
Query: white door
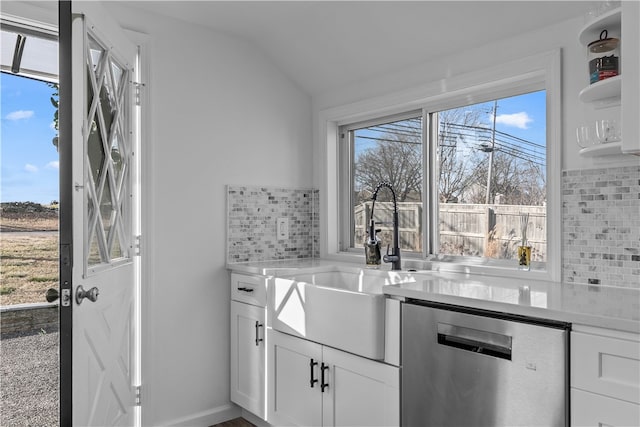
[360,392]
[248,357]
[103,292]
[295,396]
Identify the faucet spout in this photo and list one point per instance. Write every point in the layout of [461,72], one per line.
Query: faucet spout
[393,257]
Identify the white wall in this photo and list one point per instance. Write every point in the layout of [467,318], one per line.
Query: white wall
[220,114]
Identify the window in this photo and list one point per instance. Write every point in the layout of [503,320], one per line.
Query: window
[388,150]
[491,169]
[469,171]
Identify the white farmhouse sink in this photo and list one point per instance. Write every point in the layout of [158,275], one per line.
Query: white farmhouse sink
[342,309]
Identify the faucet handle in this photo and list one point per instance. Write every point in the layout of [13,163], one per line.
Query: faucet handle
[390,257]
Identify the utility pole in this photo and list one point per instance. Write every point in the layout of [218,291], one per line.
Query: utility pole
[493,146]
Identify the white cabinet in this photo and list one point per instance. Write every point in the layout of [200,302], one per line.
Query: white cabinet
[248,343]
[294,386]
[248,357]
[621,90]
[605,378]
[361,392]
[314,385]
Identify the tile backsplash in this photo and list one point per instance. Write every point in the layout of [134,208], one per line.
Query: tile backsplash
[601,226]
[252,213]
[600,221]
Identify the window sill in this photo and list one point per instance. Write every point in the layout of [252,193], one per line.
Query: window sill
[472,268]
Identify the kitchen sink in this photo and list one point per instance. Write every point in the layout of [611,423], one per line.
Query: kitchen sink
[341,309]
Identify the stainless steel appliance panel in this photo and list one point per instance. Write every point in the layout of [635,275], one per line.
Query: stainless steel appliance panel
[462,369]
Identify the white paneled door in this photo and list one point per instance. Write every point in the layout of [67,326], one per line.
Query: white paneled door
[104,294]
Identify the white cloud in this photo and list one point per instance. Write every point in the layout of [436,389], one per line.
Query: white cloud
[30,168]
[52,126]
[19,115]
[520,120]
[53,165]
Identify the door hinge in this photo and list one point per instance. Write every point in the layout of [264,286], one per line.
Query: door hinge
[136,245]
[138,395]
[137,91]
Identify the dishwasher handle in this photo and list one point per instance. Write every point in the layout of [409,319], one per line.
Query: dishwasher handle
[475,341]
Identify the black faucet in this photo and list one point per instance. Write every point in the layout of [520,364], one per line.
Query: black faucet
[393,257]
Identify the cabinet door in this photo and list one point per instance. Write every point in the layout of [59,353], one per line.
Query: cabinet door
[606,365]
[248,357]
[294,396]
[360,392]
[595,410]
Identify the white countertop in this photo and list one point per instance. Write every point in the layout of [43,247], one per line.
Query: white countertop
[591,305]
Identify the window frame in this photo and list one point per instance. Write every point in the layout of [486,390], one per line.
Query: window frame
[432,235]
[536,72]
[347,159]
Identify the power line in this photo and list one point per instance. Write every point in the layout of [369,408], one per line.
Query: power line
[468,134]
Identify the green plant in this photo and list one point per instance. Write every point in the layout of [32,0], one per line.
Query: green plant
[6,290]
[55,101]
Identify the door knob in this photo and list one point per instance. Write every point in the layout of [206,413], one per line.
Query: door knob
[52,295]
[91,294]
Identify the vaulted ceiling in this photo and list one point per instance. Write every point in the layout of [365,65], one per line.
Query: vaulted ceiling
[330,44]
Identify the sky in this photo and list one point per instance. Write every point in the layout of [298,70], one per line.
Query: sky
[522,116]
[28,158]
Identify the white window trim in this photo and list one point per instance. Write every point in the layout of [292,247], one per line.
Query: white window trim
[473,86]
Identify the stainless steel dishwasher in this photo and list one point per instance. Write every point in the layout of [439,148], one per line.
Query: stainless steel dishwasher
[466,367]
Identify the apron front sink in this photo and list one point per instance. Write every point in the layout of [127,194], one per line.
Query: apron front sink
[341,309]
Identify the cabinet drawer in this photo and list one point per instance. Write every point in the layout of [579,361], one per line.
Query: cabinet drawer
[606,365]
[588,409]
[249,289]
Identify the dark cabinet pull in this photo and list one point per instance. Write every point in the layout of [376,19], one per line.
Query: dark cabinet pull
[243,289]
[258,339]
[312,381]
[323,385]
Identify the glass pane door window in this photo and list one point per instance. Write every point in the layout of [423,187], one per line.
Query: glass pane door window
[108,157]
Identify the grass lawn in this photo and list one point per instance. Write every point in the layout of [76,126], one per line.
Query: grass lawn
[29,254]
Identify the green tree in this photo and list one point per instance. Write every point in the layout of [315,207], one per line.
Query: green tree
[55,101]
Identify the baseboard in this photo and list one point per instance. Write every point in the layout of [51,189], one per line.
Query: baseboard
[254,419]
[207,418]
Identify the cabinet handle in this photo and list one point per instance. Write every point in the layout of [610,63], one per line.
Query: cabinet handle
[258,339]
[323,385]
[243,289]
[312,381]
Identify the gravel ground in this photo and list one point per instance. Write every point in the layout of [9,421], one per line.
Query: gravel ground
[29,379]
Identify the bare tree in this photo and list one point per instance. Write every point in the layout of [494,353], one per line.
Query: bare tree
[396,159]
[463,144]
[518,181]
[458,159]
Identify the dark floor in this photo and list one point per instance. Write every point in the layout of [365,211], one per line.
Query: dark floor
[238,422]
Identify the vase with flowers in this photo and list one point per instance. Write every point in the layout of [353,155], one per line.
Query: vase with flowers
[524,249]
